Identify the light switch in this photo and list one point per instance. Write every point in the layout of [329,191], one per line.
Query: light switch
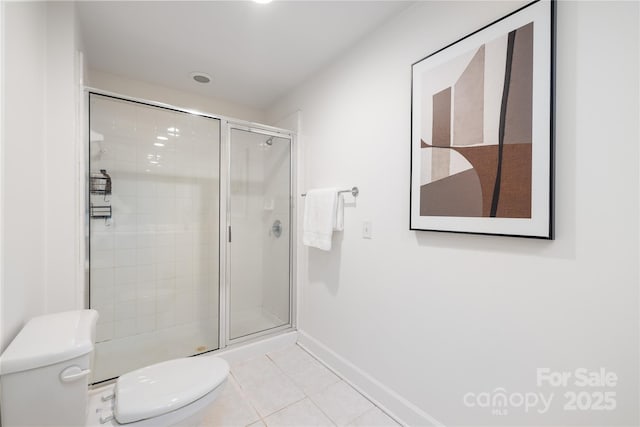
[366,229]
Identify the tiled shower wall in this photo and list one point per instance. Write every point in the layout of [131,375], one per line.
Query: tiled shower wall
[275,269]
[246,214]
[154,264]
[259,261]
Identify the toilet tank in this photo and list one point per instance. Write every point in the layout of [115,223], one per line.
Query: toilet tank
[44,372]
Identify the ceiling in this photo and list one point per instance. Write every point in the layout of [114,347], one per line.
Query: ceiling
[255,53]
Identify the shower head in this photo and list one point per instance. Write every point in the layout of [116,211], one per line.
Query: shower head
[266,145]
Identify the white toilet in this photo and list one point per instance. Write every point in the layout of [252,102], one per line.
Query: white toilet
[44,375]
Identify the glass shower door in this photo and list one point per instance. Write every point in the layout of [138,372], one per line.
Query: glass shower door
[260,225]
[154,233]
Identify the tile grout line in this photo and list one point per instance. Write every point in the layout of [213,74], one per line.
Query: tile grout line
[323,412]
[350,420]
[292,381]
[247,399]
[263,418]
[282,409]
[316,360]
[280,371]
[308,396]
[297,344]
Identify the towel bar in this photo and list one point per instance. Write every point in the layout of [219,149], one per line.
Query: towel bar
[354,192]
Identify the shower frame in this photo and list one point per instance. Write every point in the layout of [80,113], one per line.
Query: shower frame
[224,279]
[226,171]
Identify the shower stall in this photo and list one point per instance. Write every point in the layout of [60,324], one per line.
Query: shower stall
[190,230]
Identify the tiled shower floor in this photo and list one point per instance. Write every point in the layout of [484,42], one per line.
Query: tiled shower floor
[288,387]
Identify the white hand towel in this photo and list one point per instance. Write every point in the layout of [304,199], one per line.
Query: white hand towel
[319,218]
[339,225]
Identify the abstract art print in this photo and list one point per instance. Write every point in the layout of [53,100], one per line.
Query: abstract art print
[482,130]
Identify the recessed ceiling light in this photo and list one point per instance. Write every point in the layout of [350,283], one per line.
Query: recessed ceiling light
[158,144]
[262,1]
[162,138]
[201,77]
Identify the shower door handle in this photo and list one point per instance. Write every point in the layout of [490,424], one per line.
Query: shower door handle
[229,234]
[276,228]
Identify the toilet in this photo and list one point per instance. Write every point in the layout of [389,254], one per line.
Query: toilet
[45,372]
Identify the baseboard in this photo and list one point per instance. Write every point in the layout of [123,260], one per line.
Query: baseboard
[249,350]
[403,411]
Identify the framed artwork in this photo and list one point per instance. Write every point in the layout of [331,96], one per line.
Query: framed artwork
[482,125]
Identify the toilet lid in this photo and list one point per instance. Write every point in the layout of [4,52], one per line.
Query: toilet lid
[166,386]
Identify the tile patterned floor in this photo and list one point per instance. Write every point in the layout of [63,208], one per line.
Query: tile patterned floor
[290,388]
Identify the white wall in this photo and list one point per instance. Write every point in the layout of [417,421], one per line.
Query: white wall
[62,188]
[40,217]
[23,204]
[2,137]
[418,319]
[152,92]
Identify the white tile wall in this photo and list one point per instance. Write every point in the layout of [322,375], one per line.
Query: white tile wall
[154,264]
